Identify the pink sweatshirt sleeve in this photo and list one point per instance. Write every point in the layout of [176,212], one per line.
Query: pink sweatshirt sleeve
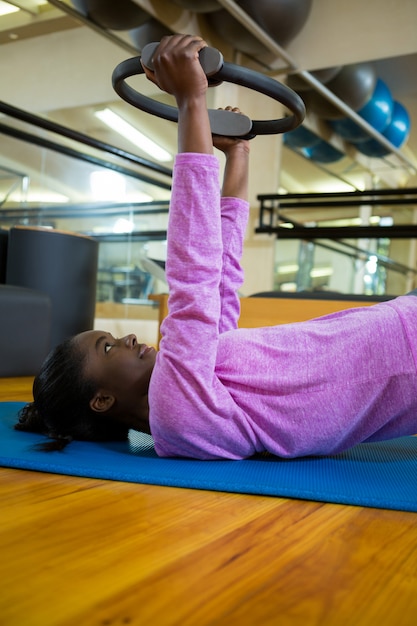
[203,259]
[233,231]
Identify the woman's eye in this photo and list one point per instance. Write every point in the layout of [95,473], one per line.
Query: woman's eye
[107,347]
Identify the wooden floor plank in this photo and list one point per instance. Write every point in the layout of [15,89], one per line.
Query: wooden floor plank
[16,389]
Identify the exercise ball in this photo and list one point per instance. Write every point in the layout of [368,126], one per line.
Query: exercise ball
[151,30]
[228,28]
[282,20]
[301,137]
[199,6]
[323,152]
[62,265]
[120,15]
[297,83]
[354,84]
[396,132]
[377,112]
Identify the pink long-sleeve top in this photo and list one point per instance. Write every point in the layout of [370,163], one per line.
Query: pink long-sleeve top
[308,388]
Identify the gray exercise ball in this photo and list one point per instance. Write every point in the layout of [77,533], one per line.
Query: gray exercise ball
[232,31]
[281,19]
[152,30]
[354,84]
[120,15]
[199,6]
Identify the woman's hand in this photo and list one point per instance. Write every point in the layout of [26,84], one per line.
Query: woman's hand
[177,69]
[228,145]
[236,172]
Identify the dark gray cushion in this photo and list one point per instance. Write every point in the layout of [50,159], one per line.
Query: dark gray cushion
[25,321]
[62,265]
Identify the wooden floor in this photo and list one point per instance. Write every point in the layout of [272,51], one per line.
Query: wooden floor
[83,552]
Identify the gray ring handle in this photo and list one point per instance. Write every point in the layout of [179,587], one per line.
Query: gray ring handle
[224,123]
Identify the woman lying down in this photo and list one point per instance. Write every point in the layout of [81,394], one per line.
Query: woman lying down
[215,391]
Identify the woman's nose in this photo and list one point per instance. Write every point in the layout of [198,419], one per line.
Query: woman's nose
[130,340]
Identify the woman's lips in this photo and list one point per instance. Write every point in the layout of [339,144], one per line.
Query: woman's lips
[144,349]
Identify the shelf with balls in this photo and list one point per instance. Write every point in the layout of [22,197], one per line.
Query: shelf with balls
[350,110]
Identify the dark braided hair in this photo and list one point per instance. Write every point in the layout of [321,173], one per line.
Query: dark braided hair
[61,407]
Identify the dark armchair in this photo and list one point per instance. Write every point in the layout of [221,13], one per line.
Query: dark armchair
[49,294]
[25,323]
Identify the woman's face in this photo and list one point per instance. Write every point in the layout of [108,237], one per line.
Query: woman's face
[121,367]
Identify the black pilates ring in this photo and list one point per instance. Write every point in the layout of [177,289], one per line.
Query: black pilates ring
[221,121]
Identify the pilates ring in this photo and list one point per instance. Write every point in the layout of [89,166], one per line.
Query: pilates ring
[222,122]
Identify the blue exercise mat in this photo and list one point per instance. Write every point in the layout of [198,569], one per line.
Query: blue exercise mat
[381,475]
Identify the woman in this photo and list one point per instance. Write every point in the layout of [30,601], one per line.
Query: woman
[213,391]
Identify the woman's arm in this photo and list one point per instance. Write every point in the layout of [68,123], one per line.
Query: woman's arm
[234,216]
[236,172]
[177,70]
[188,402]
[194,242]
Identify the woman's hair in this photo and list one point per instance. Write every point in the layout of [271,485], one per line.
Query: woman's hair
[61,407]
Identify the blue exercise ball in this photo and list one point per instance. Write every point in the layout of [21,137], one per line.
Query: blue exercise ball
[377,112]
[199,6]
[152,30]
[301,137]
[281,19]
[120,15]
[323,152]
[396,132]
[354,85]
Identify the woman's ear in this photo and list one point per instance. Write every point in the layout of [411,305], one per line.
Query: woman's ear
[101,402]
